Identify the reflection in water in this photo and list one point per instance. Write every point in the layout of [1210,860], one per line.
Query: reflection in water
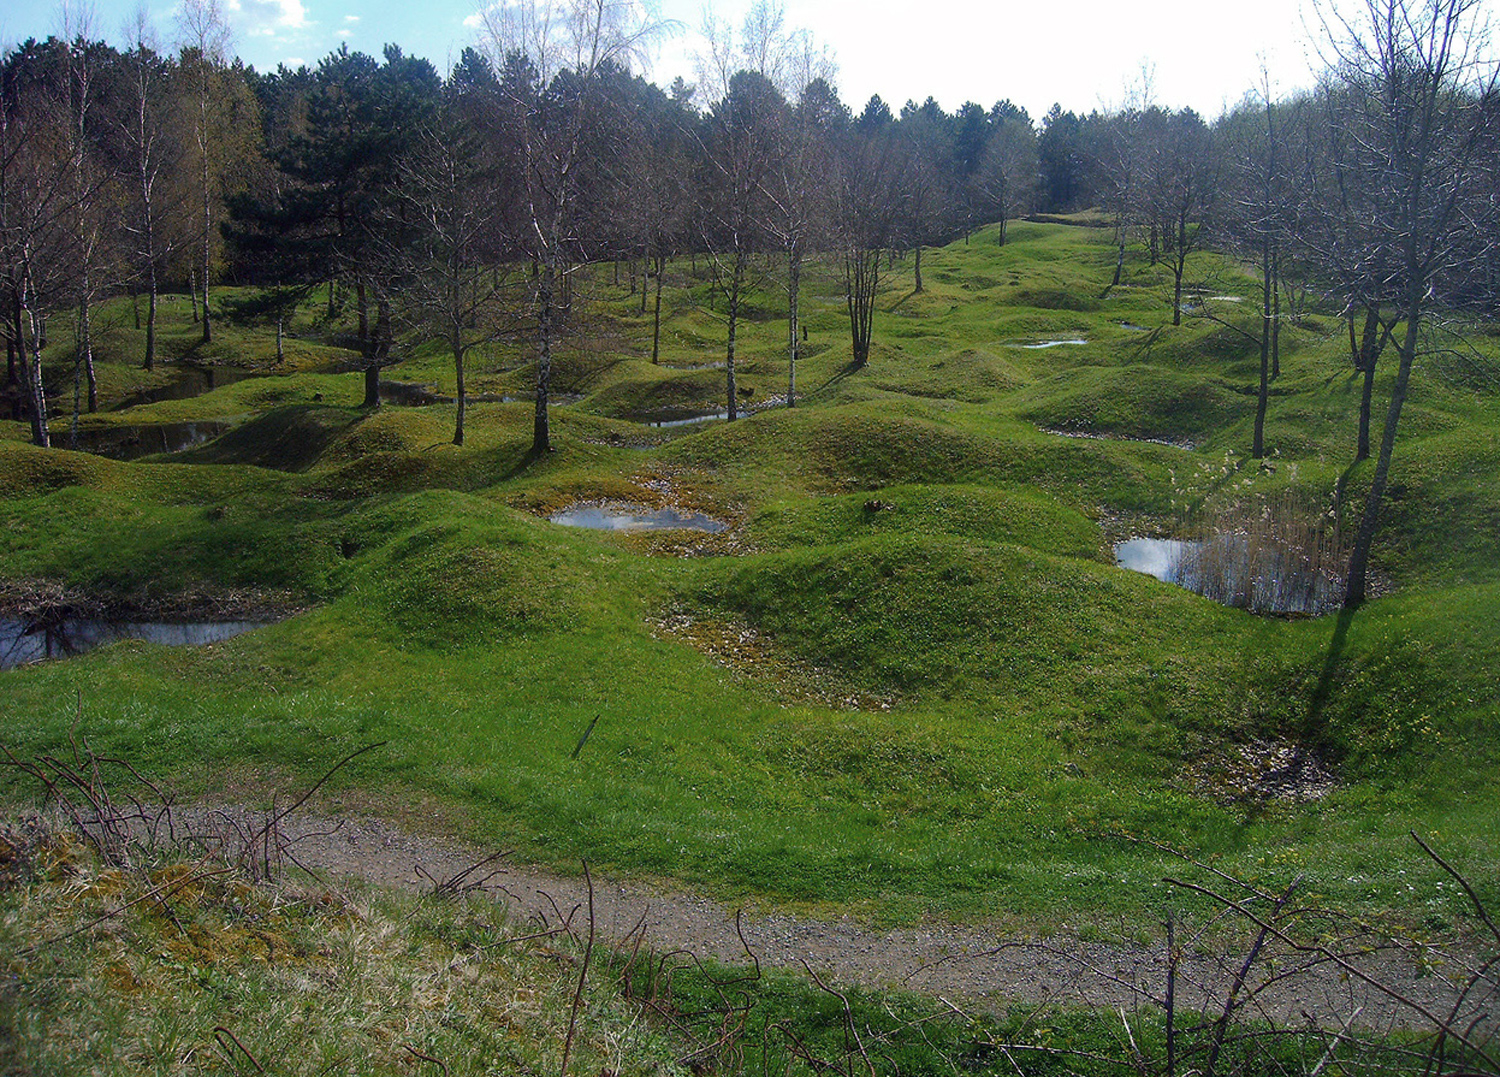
[1155,557]
[187,382]
[1052,343]
[22,642]
[629,517]
[1245,570]
[146,439]
[678,418]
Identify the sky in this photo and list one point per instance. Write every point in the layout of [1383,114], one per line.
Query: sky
[1083,54]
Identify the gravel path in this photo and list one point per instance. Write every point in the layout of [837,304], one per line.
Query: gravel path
[967,964]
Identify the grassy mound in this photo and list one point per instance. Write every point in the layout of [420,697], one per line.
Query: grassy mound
[907,677]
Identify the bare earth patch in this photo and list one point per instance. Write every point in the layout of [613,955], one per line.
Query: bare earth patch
[750,653]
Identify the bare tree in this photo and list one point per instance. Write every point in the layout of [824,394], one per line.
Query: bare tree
[870,204]
[1007,174]
[564,48]
[1176,189]
[152,155]
[206,41]
[740,153]
[1414,95]
[446,278]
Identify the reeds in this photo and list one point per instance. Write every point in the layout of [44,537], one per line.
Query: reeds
[1279,556]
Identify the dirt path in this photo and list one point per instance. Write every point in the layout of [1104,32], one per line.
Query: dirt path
[965,963]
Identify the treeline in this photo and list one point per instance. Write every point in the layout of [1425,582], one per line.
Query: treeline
[456,206]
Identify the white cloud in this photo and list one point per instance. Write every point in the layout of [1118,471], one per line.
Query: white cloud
[269,16]
[343,33]
[351,18]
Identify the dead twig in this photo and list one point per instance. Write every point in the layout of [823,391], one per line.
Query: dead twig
[220,1032]
[588,953]
[426,1058]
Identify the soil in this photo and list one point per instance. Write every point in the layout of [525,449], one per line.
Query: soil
[971,964]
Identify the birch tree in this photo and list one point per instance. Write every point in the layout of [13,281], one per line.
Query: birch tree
[554,52]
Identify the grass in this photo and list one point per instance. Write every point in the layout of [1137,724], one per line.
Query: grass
[226,976]
[912,536]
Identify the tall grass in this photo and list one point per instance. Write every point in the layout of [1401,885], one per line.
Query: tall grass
[1281,556]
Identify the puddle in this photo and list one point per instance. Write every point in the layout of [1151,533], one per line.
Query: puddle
[677,418]
[1260,576]
[1051,343]
[129,442]
[624,516]
[24,642]
[187,382]
[1155,557]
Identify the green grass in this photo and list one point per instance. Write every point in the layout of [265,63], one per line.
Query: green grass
[912,535]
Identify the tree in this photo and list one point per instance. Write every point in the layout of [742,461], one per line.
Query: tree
[658,164]
[1257,218]
[928,182]
[1412,99]
[801,214]
[1006,176]
[792,193]
[551,57]
[870,203]
[445,265]
[205,43]
[741,146]
[1060,160]
[151,158]
[37,242]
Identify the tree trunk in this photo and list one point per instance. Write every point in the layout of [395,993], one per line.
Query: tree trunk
[1359,560]
[794,295]
[362,303]
[208,219]
[15,349]
[1366,396]
[656,313]
[736,280]
[1179,266]
[1371,344]
[1258,442]
[280,350]
[151,320]
[193,292]
[541,430]
[1276,313]
[85,345]
[862,279]
[1119,265]
[918,262]
[372,386]
[463,399]
[36,392]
